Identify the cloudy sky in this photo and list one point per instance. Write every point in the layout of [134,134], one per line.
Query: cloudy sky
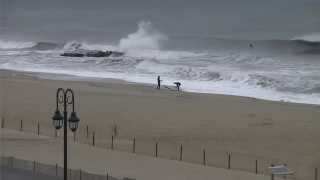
[246,19]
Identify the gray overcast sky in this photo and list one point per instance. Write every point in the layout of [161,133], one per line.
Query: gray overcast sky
[248,19]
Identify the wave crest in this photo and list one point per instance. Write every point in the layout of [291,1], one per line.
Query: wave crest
[313,37]
[7,45]
[146,37]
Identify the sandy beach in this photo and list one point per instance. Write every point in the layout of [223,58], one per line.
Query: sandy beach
[249,129]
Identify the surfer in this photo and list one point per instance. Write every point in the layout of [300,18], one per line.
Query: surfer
[251,45]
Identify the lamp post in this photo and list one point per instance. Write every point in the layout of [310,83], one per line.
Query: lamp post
[65,97]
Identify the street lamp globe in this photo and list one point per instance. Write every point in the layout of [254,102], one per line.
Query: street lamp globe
[73,122]
[57,119]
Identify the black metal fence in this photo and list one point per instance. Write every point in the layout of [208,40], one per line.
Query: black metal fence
[37,170]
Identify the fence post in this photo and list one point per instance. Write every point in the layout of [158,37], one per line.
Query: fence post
[112,146]
[157,146]
[315,173]
[180,153]
[134,145]
[56,169]
[229,161]
[204,157]
[87,131]
[11,159]
[93,138]
[38,128]
[21,125]
[272,175]
[256,169]
[80,174]
[34,167]
[2,122]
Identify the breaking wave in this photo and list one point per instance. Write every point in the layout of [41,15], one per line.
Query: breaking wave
[313,37]
[6,45]
[147,40]
[146,37]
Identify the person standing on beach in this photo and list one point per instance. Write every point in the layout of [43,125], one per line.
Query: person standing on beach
[159,82]
[178,84]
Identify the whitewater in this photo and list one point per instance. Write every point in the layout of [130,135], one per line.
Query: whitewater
[278,70]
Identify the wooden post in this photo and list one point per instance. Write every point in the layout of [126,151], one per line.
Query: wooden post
[87,131]
[93,138]
[34,167]
[204,157]
[134,145]
[315,173]
[156,152]
[38,128]
[112,145]
[229,161]
[56,169]
[256,169]
[180,153]
[80,174]
[21,125]
[2,122]
[70,174]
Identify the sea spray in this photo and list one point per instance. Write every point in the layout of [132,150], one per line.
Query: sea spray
[75,45]
[146,37]
[15,45]
[313,37]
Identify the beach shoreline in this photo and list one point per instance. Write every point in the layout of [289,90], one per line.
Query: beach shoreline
[74,78]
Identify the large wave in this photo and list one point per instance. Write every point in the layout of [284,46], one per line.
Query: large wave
[147,40]
[146,37]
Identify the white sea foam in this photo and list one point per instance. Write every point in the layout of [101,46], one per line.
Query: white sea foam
[146,37]
[75,45]
[312,37]
[234,86]
[15,44]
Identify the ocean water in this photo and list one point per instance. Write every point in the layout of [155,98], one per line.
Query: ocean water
[250,48]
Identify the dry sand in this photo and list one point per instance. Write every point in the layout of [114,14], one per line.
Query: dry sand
[250,129]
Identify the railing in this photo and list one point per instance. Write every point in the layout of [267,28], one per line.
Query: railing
[54,171]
